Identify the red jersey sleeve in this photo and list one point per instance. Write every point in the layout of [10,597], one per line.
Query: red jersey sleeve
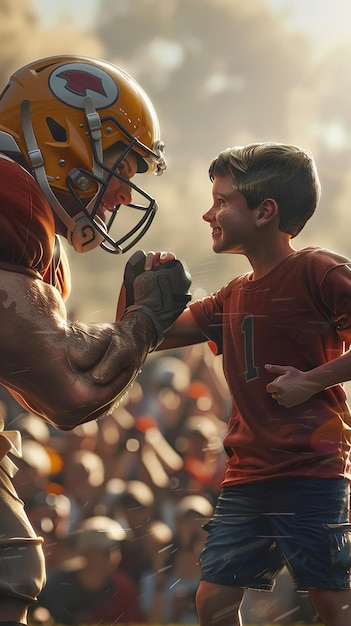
[58,273]
[209,316]
[27,229]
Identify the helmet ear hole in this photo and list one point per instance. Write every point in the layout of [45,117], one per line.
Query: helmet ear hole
[57,131]
[85,237]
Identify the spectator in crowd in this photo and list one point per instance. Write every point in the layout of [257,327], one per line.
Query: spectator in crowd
[200,443]
[83,483]
[49,514]
[34,471]
[89,587]
[171,596]
[134,505]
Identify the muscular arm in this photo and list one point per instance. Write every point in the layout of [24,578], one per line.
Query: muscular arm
[66,372]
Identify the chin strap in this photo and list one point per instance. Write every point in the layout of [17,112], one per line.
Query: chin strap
[94,123]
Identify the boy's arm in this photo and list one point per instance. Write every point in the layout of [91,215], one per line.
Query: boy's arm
[184,332]
[292,386]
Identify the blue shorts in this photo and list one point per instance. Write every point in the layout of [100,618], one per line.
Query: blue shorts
[259,528]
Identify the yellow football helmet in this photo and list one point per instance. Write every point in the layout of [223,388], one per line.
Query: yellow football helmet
[60,114]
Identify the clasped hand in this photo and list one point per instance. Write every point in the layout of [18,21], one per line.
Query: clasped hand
[157,285]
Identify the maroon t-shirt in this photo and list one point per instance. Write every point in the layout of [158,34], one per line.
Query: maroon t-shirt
[299,314]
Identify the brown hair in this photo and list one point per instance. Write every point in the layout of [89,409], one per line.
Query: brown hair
[272,170]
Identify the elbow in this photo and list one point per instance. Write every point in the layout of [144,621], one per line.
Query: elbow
[66,407]
[69,419]
[59,425]
[68,415]
[64,414]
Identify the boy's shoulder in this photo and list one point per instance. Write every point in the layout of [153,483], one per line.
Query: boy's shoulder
[315,264]
[315,255]
[312,263]
[320,252]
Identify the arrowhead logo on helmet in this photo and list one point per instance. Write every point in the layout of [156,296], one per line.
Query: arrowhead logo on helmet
[79,82]
[72,82]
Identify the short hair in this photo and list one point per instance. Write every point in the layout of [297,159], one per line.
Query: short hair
[283,172]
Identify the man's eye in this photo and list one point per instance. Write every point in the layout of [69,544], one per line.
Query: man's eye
[119,168]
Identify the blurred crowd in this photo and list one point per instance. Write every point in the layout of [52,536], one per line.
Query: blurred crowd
[121,502]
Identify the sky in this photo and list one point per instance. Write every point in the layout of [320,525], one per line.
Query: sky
[82,10]
[326,21]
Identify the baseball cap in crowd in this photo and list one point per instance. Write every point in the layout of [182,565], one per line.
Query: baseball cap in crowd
[99,532]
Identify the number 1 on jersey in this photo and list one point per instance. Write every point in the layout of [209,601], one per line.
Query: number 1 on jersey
[247,328]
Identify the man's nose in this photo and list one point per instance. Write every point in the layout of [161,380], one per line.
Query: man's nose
[119,191]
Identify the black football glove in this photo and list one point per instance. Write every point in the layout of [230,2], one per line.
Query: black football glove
[161,292]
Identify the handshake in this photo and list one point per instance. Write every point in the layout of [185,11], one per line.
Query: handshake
[160,292]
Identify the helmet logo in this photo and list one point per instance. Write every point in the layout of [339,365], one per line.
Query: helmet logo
[72,82]
[79,82]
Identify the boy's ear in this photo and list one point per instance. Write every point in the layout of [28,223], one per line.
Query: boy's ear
[266,212]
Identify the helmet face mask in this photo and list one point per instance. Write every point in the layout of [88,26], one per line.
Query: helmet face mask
[64,113]
[137,227]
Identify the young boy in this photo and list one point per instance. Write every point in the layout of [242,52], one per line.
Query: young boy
[284,331]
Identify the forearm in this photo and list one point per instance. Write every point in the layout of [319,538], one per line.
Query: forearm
[96,390]
[78,372]
[331,373]
[184,332]
[141,329]
[293,386]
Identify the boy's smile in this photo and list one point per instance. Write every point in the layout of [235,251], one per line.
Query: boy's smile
[229,216]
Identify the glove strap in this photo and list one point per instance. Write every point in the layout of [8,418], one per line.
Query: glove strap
[139,308]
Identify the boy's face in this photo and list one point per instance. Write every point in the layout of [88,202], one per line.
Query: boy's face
[231,220]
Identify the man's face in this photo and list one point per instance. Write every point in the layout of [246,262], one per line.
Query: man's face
[118,191]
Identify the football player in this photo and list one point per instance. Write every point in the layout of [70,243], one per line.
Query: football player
[73,133]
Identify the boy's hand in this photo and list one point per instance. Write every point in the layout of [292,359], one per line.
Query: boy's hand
[156,284]
[291,386]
